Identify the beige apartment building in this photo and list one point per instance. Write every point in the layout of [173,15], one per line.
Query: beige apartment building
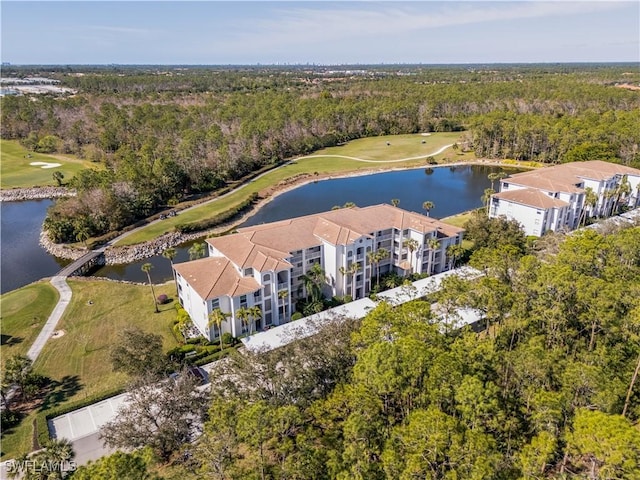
[265,265]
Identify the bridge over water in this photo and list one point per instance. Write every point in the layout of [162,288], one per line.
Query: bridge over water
[83,265]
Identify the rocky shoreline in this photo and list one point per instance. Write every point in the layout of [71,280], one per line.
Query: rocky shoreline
[35,193]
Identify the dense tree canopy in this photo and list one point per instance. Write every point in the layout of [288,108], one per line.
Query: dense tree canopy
[539,394]
[169,132]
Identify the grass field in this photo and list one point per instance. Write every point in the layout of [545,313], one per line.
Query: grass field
[373,148]
[24,312]
[16,171]
[79,360]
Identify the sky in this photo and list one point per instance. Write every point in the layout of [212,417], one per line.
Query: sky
[318,32]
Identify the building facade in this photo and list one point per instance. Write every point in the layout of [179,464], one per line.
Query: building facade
[269,266]
[561,197]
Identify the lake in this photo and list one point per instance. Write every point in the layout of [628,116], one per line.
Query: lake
[452,189]
[22,259]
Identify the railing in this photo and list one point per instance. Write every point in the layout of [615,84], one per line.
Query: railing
[283,286]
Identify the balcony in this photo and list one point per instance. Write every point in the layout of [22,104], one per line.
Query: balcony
[283,286]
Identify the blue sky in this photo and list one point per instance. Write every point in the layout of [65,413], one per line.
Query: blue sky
[325,32]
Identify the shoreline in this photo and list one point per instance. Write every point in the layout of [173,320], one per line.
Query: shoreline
[119,255]
[35,193]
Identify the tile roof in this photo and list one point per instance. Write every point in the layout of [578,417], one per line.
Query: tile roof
[531,198]
[213,277]
[266,247]
[566,177]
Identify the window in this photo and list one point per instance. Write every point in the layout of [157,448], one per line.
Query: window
[256,295]
[359,251]
[405,232]
[215,304]
[248,272]
[266,277]
[349,254]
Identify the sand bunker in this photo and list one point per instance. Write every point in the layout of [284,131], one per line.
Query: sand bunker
[57,334]
[45,164]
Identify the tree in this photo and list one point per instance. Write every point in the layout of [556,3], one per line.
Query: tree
[282,296]
[496,176]
[607,445]
[118,466]
[58,176]
[353,271]
[428,206]
[216,317]
[197,250]
[434,245]
[590,200]
[138,353]
[412,245]
[255,313]
[170,253]
[454,252]
[18,370]
[245,317]
[379,256]
[395,202]
[313,280]
[146,268]
[163,416]
[486,196]
[53,462]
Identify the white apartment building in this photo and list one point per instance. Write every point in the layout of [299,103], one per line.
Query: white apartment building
[265,265]
[554,198]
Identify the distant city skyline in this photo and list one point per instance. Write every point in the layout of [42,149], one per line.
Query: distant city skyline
[323,33]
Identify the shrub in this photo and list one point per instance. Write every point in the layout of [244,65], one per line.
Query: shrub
[162,299]
[227,338]
[297,316]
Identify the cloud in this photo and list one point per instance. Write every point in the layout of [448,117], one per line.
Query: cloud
[304,25]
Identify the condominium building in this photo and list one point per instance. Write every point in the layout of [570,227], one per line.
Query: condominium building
[561,197]
[268,265]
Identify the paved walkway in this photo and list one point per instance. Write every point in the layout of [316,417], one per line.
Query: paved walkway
[60,283]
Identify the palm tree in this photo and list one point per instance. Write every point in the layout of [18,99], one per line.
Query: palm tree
[82,235]
[345,274]
[255,313]
[454,252]
[376,258]
[353,270]
[282,295]
[433,245]
[48,463]
[313,280]
[245,317]
[412,245]
[196,251]
[590,200]
[146,268]
[216,317]
[428,206]
[395,202]
[622,191]
[170,253]
[487,195]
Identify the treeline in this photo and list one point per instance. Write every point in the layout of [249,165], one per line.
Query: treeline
[170,133]
[546,391]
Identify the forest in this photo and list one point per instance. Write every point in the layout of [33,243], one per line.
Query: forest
[167,132]
[546,388]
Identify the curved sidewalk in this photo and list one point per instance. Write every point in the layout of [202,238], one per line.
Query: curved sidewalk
[60,283]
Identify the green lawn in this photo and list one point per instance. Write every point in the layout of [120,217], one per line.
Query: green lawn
[374,148]
[24,312]
[79,360]
[16,171]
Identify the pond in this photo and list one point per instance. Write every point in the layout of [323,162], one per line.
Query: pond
[452,190]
